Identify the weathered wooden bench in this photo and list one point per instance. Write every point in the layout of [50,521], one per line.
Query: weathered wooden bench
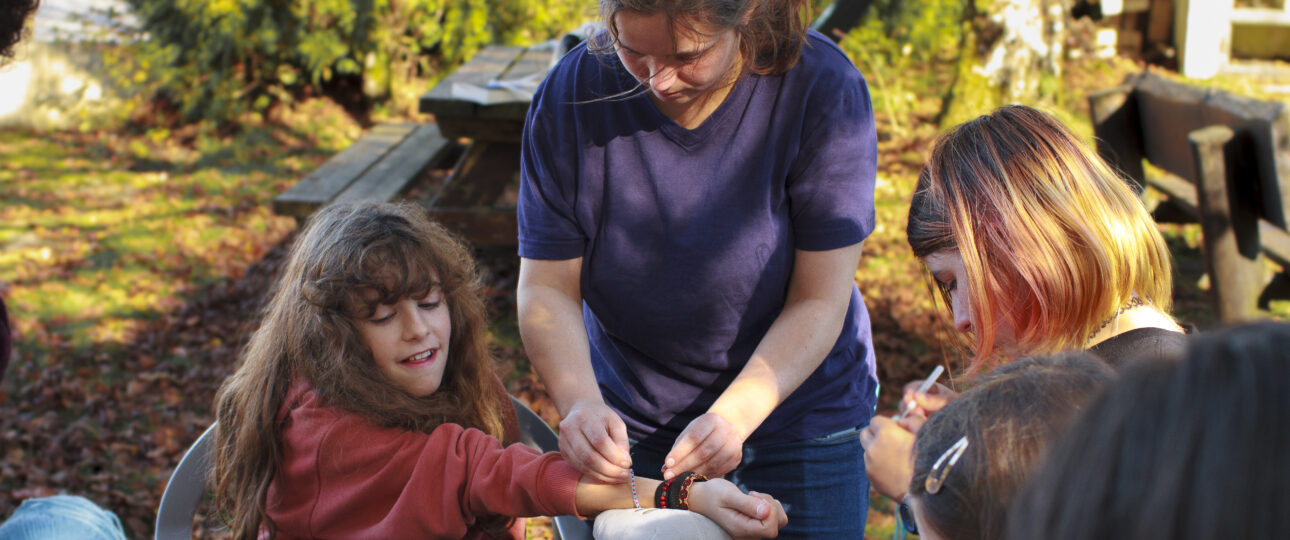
[1226,163]
[379,166]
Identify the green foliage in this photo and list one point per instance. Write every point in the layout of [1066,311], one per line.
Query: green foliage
[896,45]
[524,22]
[221,59]
[920,30]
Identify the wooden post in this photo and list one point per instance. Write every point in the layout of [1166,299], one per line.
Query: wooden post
[1236,279]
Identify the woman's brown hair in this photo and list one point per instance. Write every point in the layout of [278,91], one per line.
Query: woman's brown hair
[308,333]
[771,32]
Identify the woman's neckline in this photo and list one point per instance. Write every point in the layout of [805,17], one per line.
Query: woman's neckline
[713,103]
[1144,316]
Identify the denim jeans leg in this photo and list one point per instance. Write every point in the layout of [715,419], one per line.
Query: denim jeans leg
[821,483]
[61,517]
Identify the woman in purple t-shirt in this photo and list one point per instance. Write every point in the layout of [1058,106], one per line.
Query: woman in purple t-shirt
[696,185]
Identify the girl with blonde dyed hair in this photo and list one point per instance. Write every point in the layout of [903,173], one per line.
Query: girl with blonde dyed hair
[1054,250]
[1037,246]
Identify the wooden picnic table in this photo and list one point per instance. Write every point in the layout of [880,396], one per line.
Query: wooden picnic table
[468,201]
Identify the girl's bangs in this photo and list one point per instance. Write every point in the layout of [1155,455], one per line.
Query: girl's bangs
[388,273]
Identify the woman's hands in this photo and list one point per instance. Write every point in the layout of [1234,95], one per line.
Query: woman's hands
[710,446]
[593,439]
[750,515]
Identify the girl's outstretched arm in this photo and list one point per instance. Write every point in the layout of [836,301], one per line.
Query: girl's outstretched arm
[743,515]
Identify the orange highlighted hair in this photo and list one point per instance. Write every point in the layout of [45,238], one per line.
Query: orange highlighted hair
[1053,239]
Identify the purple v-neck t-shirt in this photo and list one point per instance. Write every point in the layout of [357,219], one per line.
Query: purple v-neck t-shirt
[688,236]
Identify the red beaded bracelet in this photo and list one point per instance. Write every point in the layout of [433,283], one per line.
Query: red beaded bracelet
[683,493]
[660,493]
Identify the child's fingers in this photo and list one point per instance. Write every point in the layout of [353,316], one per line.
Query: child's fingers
[755,508]
[934,400]
[912,422]
[870,434]
[776,509]
[740,525]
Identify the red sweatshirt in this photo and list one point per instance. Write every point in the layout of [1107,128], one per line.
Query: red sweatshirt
[344,477]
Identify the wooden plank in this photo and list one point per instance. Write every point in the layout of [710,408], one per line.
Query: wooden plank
[1169,111]
[495,122]
[494,226]
[492,129]
[425,148]
[486,65]
[533,62]
[1231,256]
[1117,127]
[1255,68]
[1276,243]
[322,185]
[1180,190]
[1260,17]
[480,176]
[532,65]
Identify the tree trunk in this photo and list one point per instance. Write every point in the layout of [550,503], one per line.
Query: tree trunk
[1007,50]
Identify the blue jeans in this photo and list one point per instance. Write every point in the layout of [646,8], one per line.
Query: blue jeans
[820,481]
[61,517]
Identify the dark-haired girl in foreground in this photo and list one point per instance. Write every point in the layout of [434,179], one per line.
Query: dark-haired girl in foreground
[1190,450]
[1037,246]
[977,452]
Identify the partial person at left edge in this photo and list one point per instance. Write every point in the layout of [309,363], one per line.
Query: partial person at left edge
[13,25]
[60,517]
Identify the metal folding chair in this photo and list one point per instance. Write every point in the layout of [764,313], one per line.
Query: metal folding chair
[185,489]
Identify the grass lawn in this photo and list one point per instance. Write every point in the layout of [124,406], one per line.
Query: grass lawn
[115,250]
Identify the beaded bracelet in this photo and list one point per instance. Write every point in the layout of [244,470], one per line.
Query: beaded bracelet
[683,500]
[676,492]
[660,494]
[635,501]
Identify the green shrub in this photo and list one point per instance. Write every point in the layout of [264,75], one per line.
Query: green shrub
[220,59]
[902,47]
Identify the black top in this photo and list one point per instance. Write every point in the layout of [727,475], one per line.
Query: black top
[1141,343]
